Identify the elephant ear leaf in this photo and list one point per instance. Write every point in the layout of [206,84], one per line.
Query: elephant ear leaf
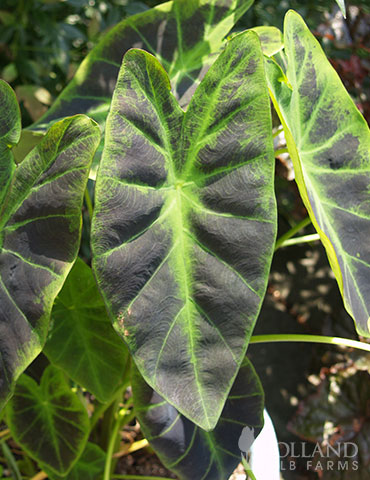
[182,34]
[48,420]
[329,142]
[10,132]
[40,226]
[185,222]
[82,340]
[187,450]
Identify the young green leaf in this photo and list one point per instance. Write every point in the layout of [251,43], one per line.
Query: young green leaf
[329,142]
[185,221]
[82,341]
[40,226]
[184,35]
[187,450]
[48,420]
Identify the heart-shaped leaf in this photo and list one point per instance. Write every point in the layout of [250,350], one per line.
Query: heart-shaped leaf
[184,35]
[329,142]
[48,421]
[187,450]
[40,225]
[185,222]
[82,341]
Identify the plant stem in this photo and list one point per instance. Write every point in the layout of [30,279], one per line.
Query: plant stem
[4,433]
[280,151]
[290,233]
[88,203]
[298,240]
[346,342]
[122,417]
[134,447]
[248,469]
[278,131]
[40,476]
[16,474]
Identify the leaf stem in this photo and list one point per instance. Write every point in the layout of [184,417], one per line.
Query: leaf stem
[88,202]
[135,446]
[346,342]
[16,474]
[248,469]
[290,233]
[298,240]
[40,476]
[279,151]
[278,131]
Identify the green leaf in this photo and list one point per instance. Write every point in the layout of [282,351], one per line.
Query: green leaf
[185,222]
[82,341]
[184,35]
[271,40]
[329,142]
[187,450]
[40,227]
[90,465]
[10,131]
[48,420]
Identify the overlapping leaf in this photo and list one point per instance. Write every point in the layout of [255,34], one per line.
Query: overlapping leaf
[48,420]
[190,452]
[329,142]
[10,131]
[185,223]
[40,223]
[184,35]
[271,39]
[82,341]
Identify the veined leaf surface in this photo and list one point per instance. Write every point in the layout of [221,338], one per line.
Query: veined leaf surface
[184,35]
[40,225]
[90,465]
[187,450]
[185,222]
[329,142]
[82,341]
[48,420]
[10,132]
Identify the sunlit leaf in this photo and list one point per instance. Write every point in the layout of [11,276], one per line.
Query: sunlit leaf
[40,226]
[329,142]
[48,420]
[185,222]
[187,450]
[82,341]
[184,35]
[271,40]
